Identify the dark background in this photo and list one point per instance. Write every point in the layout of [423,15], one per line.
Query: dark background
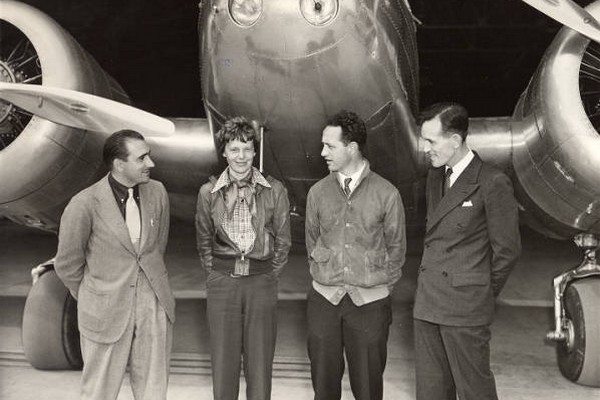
[481,53]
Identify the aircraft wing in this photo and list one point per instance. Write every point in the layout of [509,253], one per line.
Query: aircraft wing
[82,110]
[570,14]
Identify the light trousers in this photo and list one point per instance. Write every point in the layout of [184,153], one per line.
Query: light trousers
[145,346]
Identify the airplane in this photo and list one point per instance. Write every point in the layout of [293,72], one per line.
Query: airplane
[288,65]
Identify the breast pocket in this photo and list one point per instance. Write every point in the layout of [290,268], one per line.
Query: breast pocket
[465,213]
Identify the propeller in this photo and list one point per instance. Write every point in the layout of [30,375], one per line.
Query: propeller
[569,14]
[83,110]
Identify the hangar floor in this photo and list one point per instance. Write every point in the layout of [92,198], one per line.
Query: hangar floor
[523,363]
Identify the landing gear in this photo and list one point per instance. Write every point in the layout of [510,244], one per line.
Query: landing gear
[50,334]
[577,319]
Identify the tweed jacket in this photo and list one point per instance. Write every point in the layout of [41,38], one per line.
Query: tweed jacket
[472,242]
[98,263]
[271,224]
[355,242]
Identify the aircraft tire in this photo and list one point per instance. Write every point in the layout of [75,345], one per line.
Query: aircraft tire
[50,334]
[580,361]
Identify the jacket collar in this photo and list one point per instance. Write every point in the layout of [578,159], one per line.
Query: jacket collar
[224,180]
[366,170]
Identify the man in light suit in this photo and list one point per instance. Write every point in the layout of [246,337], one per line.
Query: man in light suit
[112,241]
[472,243]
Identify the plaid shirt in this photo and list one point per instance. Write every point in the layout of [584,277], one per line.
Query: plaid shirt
[237,224]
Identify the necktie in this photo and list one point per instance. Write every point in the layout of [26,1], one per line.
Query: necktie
[132,217]
[446,186]
[347,186]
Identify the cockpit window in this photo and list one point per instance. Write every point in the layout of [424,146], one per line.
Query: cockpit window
[319,12]
[245,12]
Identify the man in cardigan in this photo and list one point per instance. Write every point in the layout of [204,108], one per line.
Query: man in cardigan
[471,244]
[355,238]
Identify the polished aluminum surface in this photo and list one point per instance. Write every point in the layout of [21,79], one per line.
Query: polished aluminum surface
[48,163]
[556,154]
[293,67]
[290,66]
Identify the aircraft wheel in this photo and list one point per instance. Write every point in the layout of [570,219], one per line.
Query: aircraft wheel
[579,356]
[50,334]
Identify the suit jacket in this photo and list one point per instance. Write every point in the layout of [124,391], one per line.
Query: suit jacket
[472,242]
[98,263]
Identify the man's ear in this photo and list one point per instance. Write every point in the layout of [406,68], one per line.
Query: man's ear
[118,164]
[457,139]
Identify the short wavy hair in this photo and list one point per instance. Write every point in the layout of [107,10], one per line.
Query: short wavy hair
[353,128]
[453,117]
[115,146]
[236,128]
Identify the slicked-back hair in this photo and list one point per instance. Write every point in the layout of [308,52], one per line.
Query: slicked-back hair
[236,128]
[353,128]
[453,117]
[115,146]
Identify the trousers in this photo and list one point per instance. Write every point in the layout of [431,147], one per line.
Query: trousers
[242,320]
[453,360]
[145,346]
[360,332]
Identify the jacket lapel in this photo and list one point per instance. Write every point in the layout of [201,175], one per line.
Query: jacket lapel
[108,210]
[147,209]
[435,188]
[464,186]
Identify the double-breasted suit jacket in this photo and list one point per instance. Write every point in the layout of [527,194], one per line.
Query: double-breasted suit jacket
[99,265]
[472,242]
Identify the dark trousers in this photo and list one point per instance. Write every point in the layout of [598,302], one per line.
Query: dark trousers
[453,360]
[361,331]
[242,322]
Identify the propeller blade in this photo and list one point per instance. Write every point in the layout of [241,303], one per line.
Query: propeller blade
[83,110]
[569,14]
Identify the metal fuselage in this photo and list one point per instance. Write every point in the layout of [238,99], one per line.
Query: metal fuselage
[291,75]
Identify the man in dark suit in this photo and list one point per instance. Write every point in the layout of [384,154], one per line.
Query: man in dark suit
[472,243]
[111,247]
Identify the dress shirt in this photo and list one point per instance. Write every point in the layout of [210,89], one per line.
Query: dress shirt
[460,166]
[120,192]
[355,178]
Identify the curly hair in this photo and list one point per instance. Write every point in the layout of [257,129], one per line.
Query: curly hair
[353,128]
[236,128]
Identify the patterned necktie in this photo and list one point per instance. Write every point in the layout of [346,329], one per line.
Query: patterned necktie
[347,186]
[132,217]
[446,186]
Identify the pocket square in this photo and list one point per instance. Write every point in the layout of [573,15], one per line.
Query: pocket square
[467,203]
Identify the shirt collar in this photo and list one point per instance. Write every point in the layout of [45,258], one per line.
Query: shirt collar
[224,180]
[119,189]
[355,176]
[460,166]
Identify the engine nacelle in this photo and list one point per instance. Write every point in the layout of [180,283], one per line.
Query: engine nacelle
[44,164]
[556,146]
